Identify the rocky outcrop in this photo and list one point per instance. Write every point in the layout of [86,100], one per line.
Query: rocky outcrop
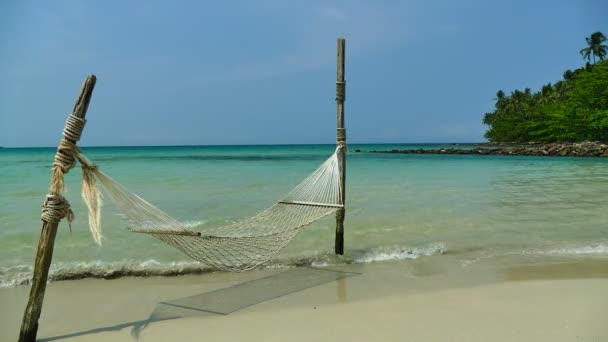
[584,149]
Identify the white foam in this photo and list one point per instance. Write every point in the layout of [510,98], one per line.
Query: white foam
[22,274]
[319,264]
[598,249]
[595,249]
[401,253]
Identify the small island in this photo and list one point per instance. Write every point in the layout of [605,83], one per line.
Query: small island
[567,118]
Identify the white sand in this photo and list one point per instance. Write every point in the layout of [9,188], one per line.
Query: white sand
[388,302]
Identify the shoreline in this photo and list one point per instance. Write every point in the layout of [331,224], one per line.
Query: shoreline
[503,299]
[584,149]
[98,269]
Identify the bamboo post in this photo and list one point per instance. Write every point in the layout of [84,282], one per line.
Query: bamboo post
[341,138]
[44,255]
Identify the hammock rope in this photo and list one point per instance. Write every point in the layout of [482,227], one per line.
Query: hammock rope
[237,247]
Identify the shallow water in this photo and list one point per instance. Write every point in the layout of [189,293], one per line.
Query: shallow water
[398,206]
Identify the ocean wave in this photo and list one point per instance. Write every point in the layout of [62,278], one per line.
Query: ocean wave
[595,249]
[11,276]
[21,274]
[387,254]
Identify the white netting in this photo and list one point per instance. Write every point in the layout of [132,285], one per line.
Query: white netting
[236,247]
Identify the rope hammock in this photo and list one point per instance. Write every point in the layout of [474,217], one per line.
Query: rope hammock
[237,247]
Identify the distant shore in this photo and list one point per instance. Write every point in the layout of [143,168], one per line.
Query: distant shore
[583,149]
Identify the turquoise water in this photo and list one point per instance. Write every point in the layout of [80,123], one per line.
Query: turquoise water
[398,206]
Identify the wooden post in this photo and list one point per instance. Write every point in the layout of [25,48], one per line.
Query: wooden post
[341,135]
[44,255]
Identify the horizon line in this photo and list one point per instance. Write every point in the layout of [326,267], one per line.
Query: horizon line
[244,145]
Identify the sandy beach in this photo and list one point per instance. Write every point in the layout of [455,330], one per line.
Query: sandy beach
[427,299]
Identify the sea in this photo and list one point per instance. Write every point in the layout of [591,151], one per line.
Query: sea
[399,207]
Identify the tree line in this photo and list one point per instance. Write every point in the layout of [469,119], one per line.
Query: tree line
[572,109]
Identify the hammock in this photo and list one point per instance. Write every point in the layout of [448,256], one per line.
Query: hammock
[236,247]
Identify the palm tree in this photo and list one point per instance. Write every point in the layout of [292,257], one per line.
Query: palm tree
[561,88]
[500,100]
[517,103]
[500,95]
[595,48]
[546,95]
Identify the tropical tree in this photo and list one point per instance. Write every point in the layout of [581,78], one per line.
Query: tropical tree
[595,47]
[500,100]
[572,109]
[546,95]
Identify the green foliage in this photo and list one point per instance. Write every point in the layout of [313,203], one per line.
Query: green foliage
[574,109]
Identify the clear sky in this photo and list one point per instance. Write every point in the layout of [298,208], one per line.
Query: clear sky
[263,72]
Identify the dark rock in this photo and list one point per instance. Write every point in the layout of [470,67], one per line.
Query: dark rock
[584,149]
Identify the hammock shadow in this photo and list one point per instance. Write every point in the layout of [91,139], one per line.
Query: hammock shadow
[228,300]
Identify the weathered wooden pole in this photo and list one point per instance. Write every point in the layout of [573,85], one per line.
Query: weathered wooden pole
[341,137]
[54,209]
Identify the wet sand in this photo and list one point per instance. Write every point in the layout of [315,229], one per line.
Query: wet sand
[504,299]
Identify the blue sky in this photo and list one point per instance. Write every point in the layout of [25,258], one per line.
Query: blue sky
[263,72]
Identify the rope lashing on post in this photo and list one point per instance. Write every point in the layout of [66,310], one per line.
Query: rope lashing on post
[340,213]
[340,91]
[64,158]
[55,208]
[340,97]
[341,134]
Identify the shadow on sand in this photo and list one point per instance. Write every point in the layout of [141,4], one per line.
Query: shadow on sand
[227,300]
